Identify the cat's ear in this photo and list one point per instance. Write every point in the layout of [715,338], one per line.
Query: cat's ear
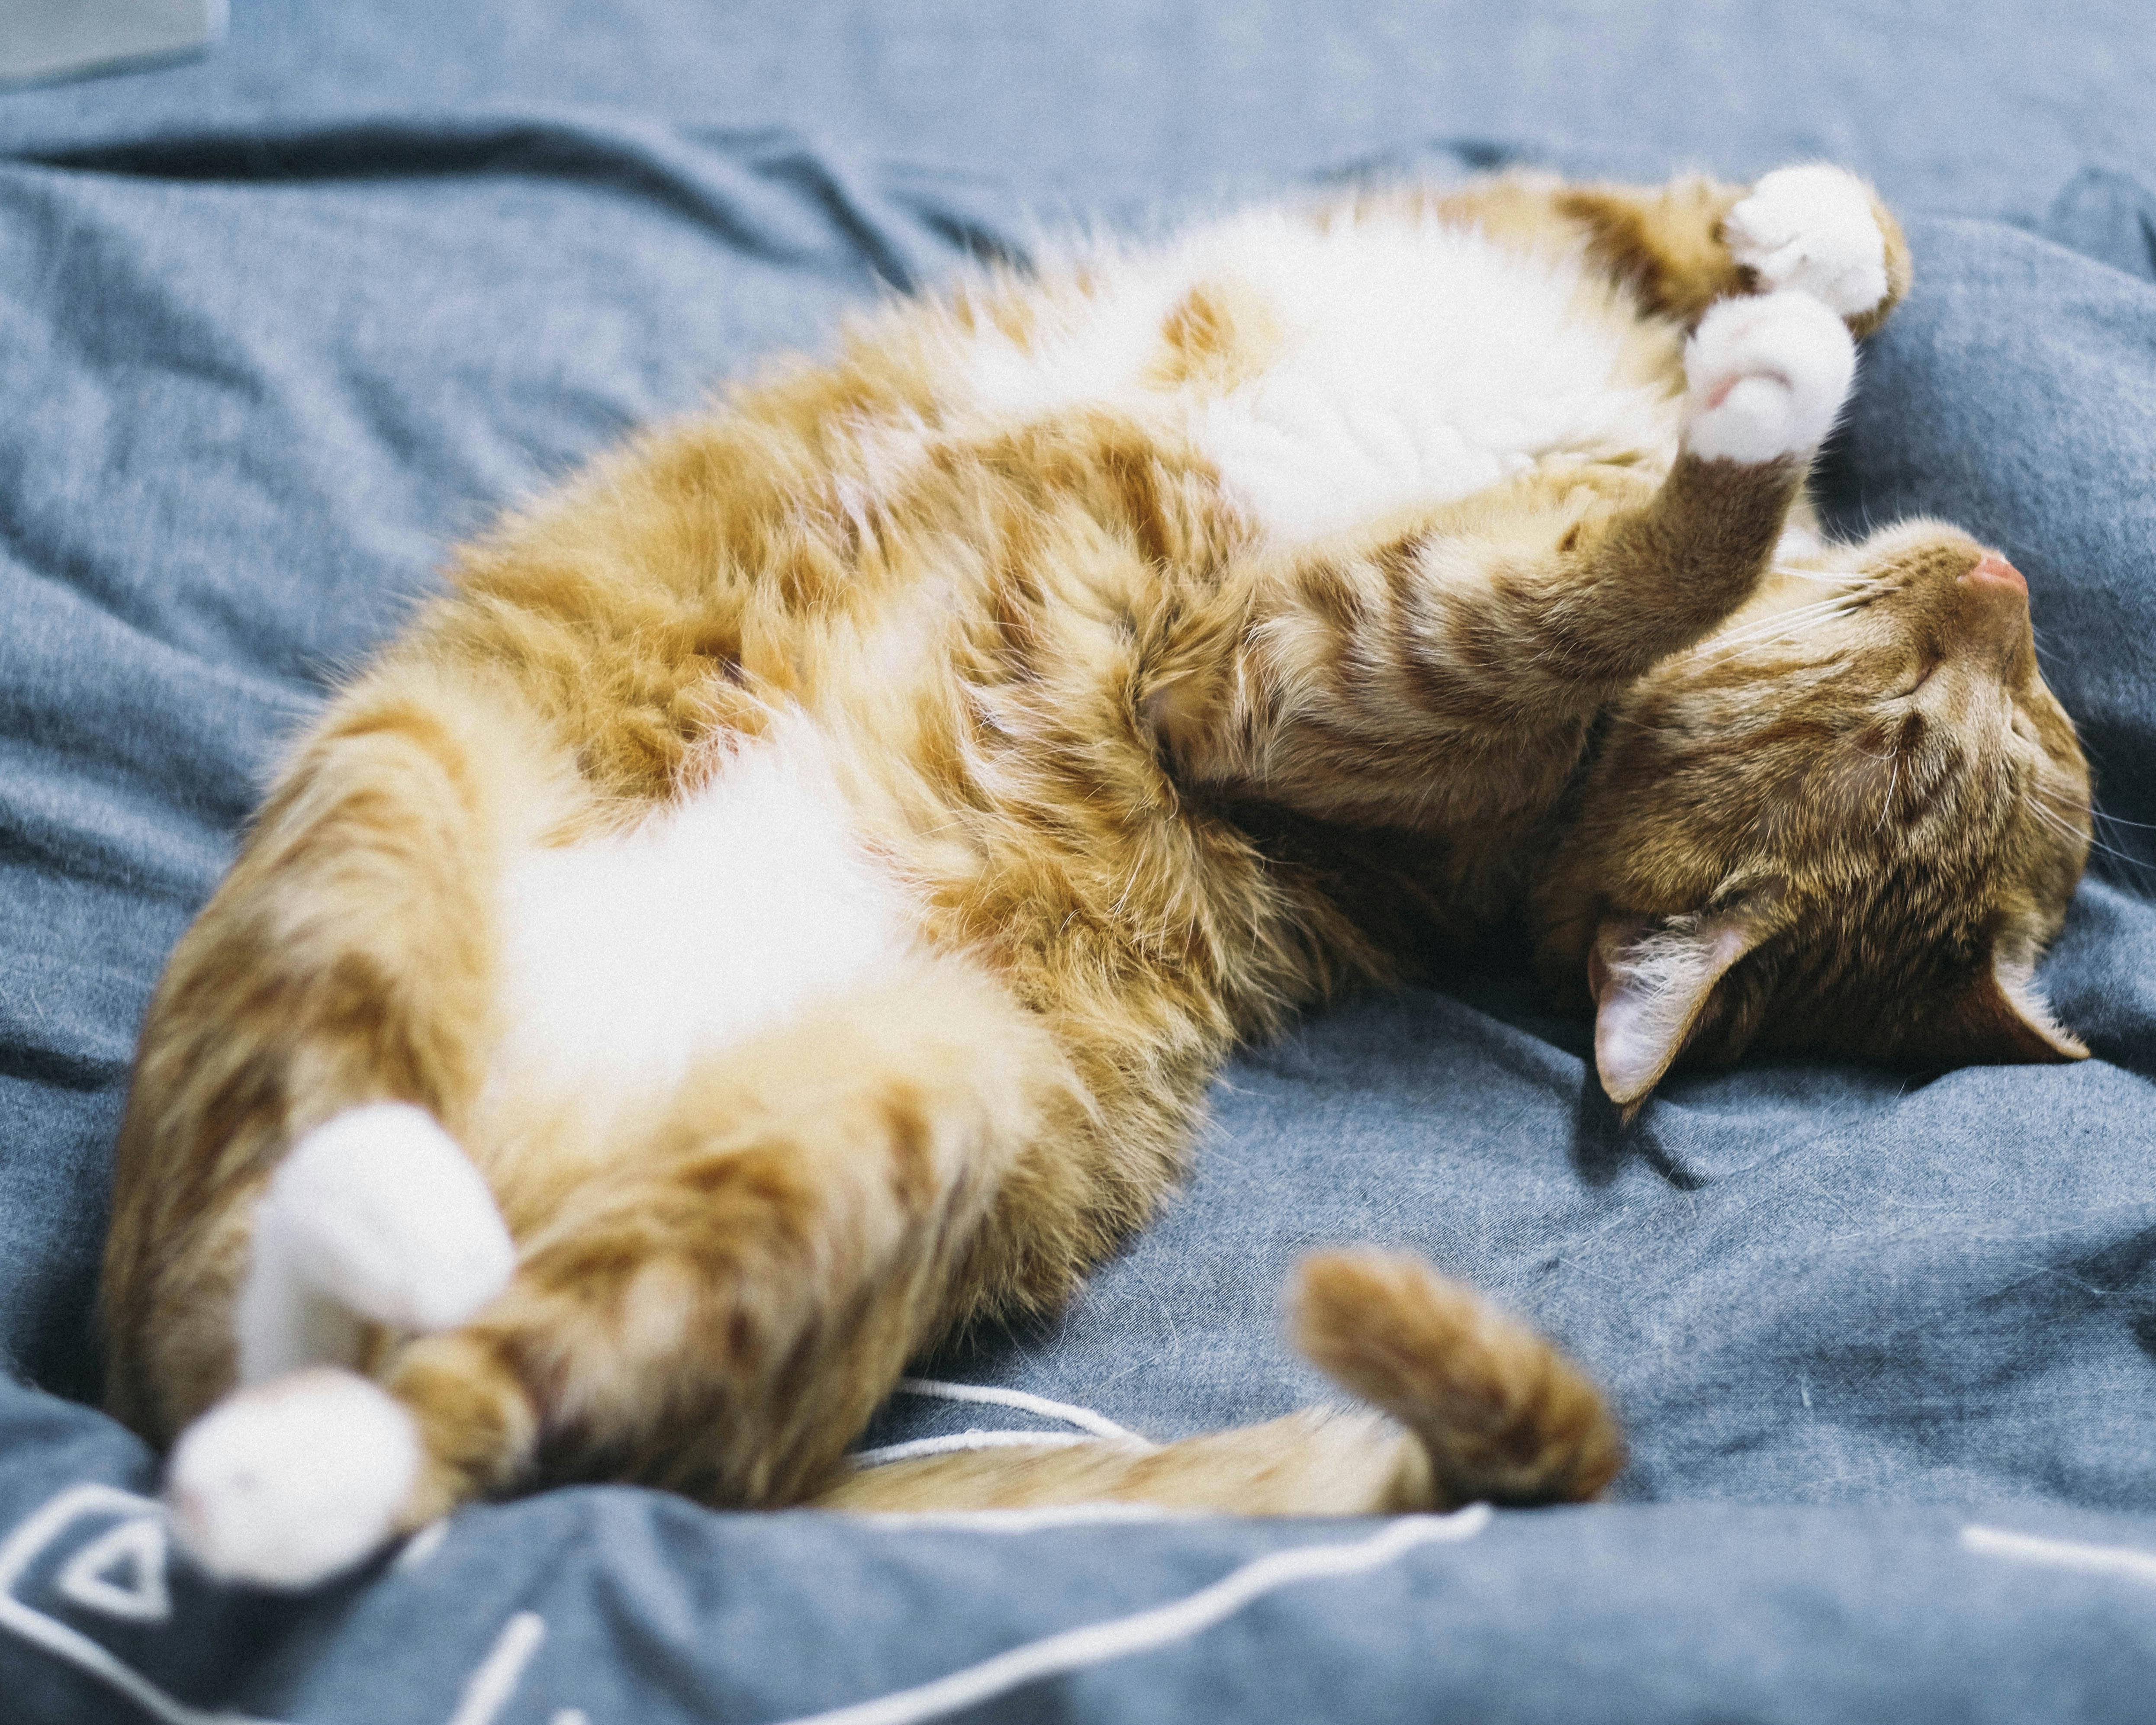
[1997,1020]
[1651,982]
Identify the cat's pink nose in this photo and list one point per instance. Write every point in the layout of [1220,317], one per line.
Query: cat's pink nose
[1993,571]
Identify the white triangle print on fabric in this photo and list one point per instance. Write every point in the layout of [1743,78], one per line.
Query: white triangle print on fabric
[122,1572]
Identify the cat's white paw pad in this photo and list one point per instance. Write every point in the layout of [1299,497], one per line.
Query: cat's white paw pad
[383,1212]
[1812,228]
[1766,375]
[285,1485]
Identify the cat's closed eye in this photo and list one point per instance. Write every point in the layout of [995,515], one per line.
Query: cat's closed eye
[1914,679]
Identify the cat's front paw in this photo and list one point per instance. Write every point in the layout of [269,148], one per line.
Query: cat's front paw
[1813,229]
[1766,377]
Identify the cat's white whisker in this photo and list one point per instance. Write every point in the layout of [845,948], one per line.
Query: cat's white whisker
[1828,581]
[1795,615]
[2066,829]
[1782,627]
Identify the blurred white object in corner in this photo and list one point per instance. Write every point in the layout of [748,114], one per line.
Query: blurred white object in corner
[65,39]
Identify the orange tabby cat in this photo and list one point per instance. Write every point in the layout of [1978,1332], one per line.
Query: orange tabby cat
[790,895]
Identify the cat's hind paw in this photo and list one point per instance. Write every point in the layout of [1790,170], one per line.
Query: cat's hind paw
[291,1482]
[385,1214]
[1813,229]
[1766,377]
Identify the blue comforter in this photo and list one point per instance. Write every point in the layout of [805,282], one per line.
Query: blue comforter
[278,327]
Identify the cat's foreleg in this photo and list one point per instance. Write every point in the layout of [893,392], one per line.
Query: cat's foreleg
[1766,377]
[1820,230]
[1324,678]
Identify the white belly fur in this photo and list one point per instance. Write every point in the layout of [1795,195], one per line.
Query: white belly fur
[625,959]
[1419,363]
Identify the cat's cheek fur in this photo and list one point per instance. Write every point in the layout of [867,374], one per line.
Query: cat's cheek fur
[1766,377]
[288,1484]
[1812,228]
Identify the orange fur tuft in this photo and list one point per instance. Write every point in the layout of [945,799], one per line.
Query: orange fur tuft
[1504,1417]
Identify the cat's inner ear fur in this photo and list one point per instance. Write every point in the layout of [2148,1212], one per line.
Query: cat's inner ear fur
[1652,981]
[1999,1021]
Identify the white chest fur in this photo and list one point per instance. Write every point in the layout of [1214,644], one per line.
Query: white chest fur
[624,958]
[1415,363]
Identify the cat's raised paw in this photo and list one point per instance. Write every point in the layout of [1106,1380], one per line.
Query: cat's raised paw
[1766,377]
[1812,229]
[291,1482]
[385,1214]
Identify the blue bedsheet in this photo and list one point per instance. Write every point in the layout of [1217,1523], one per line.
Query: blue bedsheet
[277,327]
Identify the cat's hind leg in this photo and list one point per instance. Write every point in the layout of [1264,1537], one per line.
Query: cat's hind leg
[346,962]
[722,1312]
[717,1309]
[375,1216]
[289,1482]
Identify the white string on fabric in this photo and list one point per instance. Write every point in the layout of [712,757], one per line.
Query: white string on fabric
[1098,1643]
[1021,1520]
[968,1440]
[27,1542]
[1098,1427]
[489,1688]
[1070,1412]
[2061,1553]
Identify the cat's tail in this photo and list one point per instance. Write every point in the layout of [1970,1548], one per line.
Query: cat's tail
[1493,1412]
[1501,1415]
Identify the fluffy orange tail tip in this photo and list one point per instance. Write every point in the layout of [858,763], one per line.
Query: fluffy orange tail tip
[1505,1417]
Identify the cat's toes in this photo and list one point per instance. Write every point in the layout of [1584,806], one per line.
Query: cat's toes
[1766,377]
[1812,228]
[385,1214]
[290,1483]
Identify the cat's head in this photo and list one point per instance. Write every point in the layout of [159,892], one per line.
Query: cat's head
[1850,821]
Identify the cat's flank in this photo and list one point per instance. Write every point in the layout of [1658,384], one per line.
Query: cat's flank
[788,897]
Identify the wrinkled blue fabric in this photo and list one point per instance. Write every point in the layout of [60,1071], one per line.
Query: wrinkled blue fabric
[278,327]
[631,1606]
